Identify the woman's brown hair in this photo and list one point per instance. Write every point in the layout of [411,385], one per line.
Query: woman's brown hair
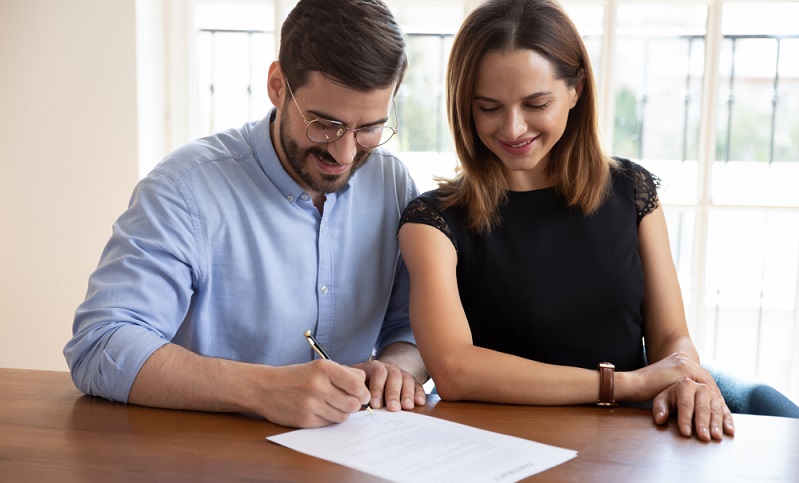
[578,166]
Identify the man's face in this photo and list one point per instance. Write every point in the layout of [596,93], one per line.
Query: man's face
[327,167]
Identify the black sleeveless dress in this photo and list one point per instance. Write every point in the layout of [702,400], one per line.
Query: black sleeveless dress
[550,284]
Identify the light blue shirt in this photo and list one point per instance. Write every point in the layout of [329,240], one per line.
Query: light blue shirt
[223,253]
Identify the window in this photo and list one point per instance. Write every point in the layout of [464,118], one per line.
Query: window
[703,93]
[424,138]
[234,43]
[729,166]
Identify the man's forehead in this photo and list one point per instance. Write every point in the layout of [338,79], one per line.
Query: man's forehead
[326,98]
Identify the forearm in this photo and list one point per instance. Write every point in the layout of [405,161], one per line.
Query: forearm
[479,374]
[670,345]
[176,378]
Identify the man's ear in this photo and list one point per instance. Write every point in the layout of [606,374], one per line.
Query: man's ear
[276,85]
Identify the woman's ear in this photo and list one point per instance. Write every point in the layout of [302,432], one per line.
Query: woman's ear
[577,89]
[276,84]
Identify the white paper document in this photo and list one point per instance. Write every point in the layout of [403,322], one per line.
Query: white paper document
[405,446]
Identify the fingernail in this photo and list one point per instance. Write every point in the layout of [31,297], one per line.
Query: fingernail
[376,402]
[394,405]
[408,402]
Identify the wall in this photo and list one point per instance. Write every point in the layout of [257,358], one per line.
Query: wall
[68,161]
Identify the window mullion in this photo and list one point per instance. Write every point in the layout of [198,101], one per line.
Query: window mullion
[707,147]
[687,101]
[774,102]
[606,95]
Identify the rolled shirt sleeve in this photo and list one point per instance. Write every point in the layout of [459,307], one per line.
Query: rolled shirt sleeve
[140,293]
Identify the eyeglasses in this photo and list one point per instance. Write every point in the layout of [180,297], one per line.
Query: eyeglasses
[325,131]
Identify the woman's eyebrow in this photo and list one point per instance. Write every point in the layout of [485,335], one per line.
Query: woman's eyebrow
[532,96]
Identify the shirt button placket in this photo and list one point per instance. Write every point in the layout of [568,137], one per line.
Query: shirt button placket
[325,280]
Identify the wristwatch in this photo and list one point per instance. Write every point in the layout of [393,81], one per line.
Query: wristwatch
[606,384]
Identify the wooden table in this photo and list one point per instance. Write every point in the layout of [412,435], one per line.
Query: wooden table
[49,431]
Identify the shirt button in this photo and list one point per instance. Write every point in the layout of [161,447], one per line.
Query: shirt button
[304,197]
[290,198]
[324,289]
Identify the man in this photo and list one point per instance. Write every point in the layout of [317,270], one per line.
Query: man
[238,243]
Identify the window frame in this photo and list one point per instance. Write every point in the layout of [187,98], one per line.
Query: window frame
[180,114]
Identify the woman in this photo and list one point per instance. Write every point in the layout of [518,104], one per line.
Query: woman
[544,257]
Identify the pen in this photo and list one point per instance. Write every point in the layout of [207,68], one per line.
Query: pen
[323,354]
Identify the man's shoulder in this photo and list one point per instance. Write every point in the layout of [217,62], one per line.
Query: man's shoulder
[388,162]
[384,171]
[228,145]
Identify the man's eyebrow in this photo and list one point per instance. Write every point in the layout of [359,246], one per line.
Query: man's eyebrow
[326,117]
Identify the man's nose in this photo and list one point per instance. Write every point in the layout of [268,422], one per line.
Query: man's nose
[344,148]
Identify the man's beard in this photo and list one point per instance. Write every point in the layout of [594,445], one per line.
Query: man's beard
[297,159]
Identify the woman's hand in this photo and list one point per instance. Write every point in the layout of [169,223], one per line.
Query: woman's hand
[649,381]
[695,401]
[678,384]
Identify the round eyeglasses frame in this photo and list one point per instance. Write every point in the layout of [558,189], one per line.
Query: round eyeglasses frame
[341,128]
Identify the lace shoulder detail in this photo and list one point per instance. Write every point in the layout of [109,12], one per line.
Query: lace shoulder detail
[646,185]
[419,211]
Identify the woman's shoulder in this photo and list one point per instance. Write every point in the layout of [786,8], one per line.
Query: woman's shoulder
[644,184]
[430,197]
[426,209]
[425,203]
[634,171]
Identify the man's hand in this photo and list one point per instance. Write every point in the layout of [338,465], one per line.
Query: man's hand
[395,377]
[314,394]
[698,402]
[308,395]
[391,386]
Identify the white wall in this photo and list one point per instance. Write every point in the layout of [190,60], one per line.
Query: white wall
[68,161]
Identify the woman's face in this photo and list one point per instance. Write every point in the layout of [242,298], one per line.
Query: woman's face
[520,111]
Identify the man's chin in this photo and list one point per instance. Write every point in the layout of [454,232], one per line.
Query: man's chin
[330,183]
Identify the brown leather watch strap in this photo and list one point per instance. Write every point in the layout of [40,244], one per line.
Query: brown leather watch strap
[606,370]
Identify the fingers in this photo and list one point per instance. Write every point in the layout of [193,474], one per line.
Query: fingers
[699,408]
[705,409]
[716,419]
[685,407]
[392,387]
[380,385]
[352,384]
[342,390]
[729,426]
[660,375]
[420,396]
[309,395]
[660,408]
